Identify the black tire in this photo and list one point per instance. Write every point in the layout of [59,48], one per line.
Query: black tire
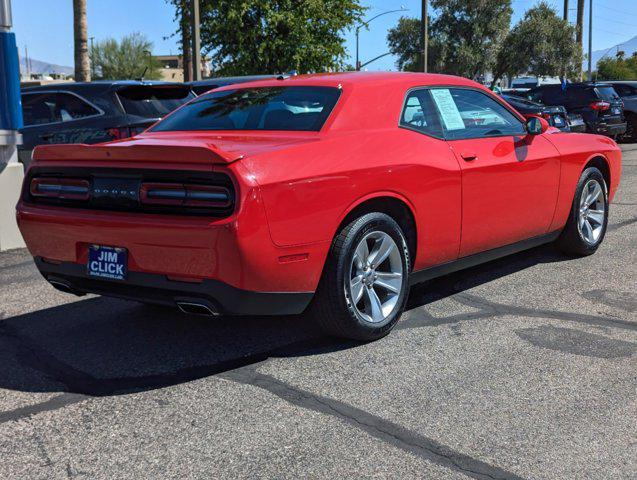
[572,241]
[332,307]
[631,129]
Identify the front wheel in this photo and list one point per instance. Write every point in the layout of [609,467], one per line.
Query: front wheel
[364,286]
[588,219]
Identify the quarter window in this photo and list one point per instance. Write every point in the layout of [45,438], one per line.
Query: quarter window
[419,113]
[54,107]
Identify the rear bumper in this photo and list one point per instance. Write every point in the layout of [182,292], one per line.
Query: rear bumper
[608,128]
[218,296]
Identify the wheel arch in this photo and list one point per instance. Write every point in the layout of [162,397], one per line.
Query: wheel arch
[391,203]
[600,162]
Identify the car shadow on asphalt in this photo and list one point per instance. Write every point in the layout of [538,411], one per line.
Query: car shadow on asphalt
[101,346]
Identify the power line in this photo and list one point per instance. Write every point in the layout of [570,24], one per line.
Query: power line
[617,21]
[619,11]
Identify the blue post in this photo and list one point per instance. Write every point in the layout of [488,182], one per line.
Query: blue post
[10,105]
[11,171]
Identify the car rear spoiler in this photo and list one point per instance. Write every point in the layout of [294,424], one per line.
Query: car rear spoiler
[138,150]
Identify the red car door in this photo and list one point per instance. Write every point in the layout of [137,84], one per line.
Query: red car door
[509,178]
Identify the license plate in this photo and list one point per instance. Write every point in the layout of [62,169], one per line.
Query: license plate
[616,111]
[107,262]
[577,121]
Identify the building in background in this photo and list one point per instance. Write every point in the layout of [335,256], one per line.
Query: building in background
[173,67]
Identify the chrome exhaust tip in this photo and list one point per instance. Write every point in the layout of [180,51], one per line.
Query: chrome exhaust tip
[64,287]
[194,308]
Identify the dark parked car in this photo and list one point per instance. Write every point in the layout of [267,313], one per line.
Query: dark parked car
[627,90]
[598,103]
[555,115]
[94,112]
[202,86]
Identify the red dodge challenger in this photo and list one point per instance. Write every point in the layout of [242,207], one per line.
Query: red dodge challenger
[332,193]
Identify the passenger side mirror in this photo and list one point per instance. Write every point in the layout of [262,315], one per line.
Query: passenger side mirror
[536,125]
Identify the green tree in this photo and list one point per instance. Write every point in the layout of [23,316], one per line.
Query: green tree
[618,68]
[540,44]
[404,43]
[128,59]
[244,37]
[463,37]
[469,33]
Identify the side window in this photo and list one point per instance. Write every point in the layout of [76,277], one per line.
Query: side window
[419,113]
[467,113]
[38,108]
[43,108]
[69,107]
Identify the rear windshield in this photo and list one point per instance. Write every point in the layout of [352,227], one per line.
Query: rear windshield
[607,93]
[153,101]
[264,108]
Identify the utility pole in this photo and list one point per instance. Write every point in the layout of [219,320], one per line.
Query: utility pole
[27,65]
[590,40]
[196,40]
[579,28]
[424,35]
[565,10]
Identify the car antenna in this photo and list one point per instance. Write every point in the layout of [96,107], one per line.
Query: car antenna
[141,79]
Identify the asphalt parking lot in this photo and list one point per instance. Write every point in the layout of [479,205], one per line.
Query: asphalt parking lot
[525,367]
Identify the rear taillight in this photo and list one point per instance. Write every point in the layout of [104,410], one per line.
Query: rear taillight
[60,188]
[185,195]
[600,106]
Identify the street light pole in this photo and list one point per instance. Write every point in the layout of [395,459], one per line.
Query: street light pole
[590,41]
[358,66]
[367,22]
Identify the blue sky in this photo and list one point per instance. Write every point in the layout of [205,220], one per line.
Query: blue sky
[45,26]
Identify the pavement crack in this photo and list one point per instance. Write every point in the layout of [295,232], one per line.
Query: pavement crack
[384,430]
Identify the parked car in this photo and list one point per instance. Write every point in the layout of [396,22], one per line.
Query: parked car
[522,83]
[555,115]
[202,86]
[627,90]
[94,112]
[332,192]
[598,103]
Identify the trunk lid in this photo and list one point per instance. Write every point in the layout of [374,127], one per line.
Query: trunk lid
[175,147]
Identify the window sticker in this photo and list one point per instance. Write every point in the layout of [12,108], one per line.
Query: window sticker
[447,108]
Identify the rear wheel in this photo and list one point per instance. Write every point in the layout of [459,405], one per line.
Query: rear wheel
[631,129]
[586,225]
[364,286]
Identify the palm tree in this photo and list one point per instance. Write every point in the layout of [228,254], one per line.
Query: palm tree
[80,30]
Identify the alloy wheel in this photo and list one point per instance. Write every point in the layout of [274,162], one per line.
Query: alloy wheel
[376,276]
[592,211]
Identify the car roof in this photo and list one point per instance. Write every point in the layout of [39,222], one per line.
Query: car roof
[369,79]
[99,85]
[632,83]
[228,80]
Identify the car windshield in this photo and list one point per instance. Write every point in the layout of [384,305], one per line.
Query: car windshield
[153,101]
[607,93]
[260,108]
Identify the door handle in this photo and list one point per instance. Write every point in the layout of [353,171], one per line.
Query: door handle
[468,156]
